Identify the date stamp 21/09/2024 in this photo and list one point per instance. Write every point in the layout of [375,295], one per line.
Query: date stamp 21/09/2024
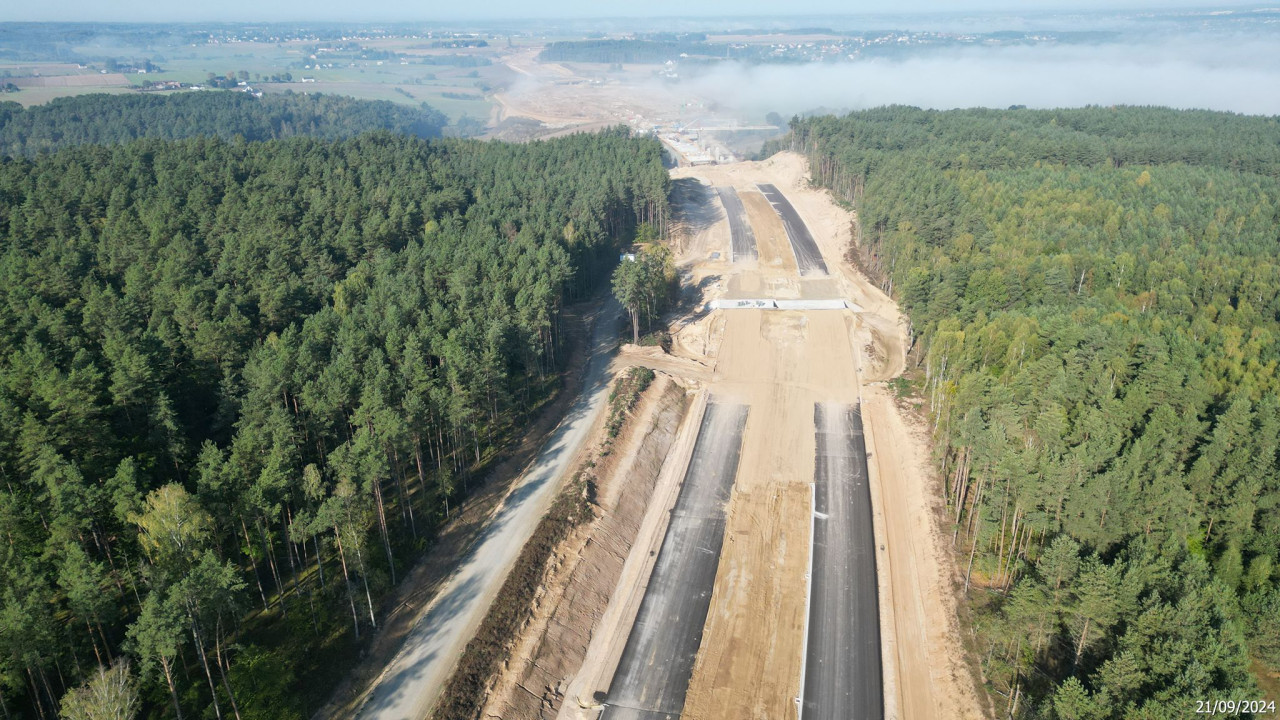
[1235,707]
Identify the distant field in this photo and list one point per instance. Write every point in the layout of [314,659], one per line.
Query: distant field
[453,108]
[8,69]
[410,82]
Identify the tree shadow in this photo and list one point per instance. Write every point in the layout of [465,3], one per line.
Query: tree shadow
[692,207]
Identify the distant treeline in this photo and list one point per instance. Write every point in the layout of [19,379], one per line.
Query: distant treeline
[692,49]
[456,60]
[460,43]
[113,119]
[1095,298]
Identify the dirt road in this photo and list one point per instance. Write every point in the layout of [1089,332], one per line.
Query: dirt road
[410,684]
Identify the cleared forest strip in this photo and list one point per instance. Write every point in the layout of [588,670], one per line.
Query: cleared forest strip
[607,644]
[464,695]
[414,679]
[926,649]
[515,605]
[581,575]
[743,672]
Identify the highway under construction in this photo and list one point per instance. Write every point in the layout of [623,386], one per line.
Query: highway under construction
[796,465]
[781,561]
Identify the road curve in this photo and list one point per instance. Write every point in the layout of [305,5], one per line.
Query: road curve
[742,241]
[410,684]
[808,257]
[842,672]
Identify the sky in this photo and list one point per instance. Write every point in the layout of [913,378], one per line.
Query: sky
[426,10]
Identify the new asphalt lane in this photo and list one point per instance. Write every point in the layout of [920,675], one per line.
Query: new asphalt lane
[808,257]
[742,244]
[842,671]
[653,674]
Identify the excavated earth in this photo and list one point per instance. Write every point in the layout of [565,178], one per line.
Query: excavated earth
[779,364]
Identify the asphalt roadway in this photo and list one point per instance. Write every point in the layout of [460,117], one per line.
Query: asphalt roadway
[808,257]
[653,674]
[842,672]
[410,684]
[742,244]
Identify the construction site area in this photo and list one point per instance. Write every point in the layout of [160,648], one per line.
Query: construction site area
[767,544]
[545,99]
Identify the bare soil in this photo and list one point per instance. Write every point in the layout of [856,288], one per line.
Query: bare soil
[609,640]
[781,363]
[655,359]
[771,237]
[582,575]
[928,657]
[582,97]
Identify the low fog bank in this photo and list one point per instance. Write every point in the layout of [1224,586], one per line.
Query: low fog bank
[1241,76]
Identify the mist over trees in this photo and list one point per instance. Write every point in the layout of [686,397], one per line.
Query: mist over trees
[243,382]
[1095,299]
[112,119]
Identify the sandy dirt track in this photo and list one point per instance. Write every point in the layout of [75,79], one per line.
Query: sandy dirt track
[927,657]
[410,684]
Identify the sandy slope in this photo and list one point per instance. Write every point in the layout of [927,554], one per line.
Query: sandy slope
[927,653]
[610,634]
[586,567]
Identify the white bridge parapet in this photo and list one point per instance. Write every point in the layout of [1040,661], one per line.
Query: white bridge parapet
[772,304]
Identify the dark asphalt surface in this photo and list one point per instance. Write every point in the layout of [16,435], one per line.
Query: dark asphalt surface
[808,257]
[842,677]
[653,674]
[742,245]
